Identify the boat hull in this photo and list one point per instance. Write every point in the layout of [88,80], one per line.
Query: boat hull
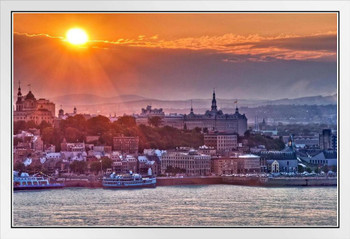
[37,187]
[128,186]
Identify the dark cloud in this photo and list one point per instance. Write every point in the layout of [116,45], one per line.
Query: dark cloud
[307,43]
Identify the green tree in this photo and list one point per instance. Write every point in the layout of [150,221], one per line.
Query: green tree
[31,124]
[19,126]
[317,170]
[44,125]
[155,121]
[95,166]
[325,168]
[98,125]
[78,166]
[300,169]
[73,134]
[48,135]
[127,121]
[106,138]
[77,121]
[106,163]
[19,166]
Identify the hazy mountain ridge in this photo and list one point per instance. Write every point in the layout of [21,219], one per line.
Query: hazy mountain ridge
[134,103]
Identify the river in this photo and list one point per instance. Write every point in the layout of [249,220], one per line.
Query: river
[209,205]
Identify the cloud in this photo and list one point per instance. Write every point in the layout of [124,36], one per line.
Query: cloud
[142,67]
[256,48]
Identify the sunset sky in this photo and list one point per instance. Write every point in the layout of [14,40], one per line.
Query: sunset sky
[178,55]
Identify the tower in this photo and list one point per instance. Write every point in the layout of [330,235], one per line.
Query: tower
[60,113]
[213,102]
[75,110]
[19,102]
[191,109]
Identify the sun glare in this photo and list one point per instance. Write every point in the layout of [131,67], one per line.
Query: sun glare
[77,36]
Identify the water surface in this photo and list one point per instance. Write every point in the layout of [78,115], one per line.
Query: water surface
[210,205]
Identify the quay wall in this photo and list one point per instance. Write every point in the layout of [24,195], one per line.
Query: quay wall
[281,181]
[245,181]
[164,181]
[80,182]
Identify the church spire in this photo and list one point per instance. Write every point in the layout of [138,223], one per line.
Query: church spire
[19,102]
[191,108]
[19,89]
[213,102]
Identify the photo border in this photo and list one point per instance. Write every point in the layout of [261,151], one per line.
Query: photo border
[338,126]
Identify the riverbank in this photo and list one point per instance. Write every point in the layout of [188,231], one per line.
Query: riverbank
[209,180]
[280,181]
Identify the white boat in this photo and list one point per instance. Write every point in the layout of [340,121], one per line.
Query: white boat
[128,181]
[36,181]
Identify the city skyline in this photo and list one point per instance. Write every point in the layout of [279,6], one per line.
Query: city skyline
[178,55]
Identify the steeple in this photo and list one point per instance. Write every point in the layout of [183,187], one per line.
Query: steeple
[191,108]
[213,102]
[19,102]
[60,113]
[19,89]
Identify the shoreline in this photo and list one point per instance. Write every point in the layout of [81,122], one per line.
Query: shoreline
[224,180]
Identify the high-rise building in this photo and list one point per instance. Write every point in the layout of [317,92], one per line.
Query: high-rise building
[325,139]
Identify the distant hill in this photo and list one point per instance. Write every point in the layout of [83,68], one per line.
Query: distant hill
[129,104]
[311,100]
[84,99]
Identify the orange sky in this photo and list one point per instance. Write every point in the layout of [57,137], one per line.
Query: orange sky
[176,25]
[177,50]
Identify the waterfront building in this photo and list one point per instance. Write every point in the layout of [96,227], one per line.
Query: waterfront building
[28,108]
[236,164]
[223,165]
[321,158]
[124,144]
[148,162]
[191,161]
[286,158]
[204,149]
[273,166]
[124,164]
[222,142]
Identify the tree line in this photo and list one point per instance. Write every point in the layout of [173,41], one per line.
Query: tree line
[77,128]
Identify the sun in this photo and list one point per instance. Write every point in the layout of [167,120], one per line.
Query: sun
[77,36]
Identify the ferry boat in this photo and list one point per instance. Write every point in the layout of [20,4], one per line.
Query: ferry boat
[37,181]
[128,181]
